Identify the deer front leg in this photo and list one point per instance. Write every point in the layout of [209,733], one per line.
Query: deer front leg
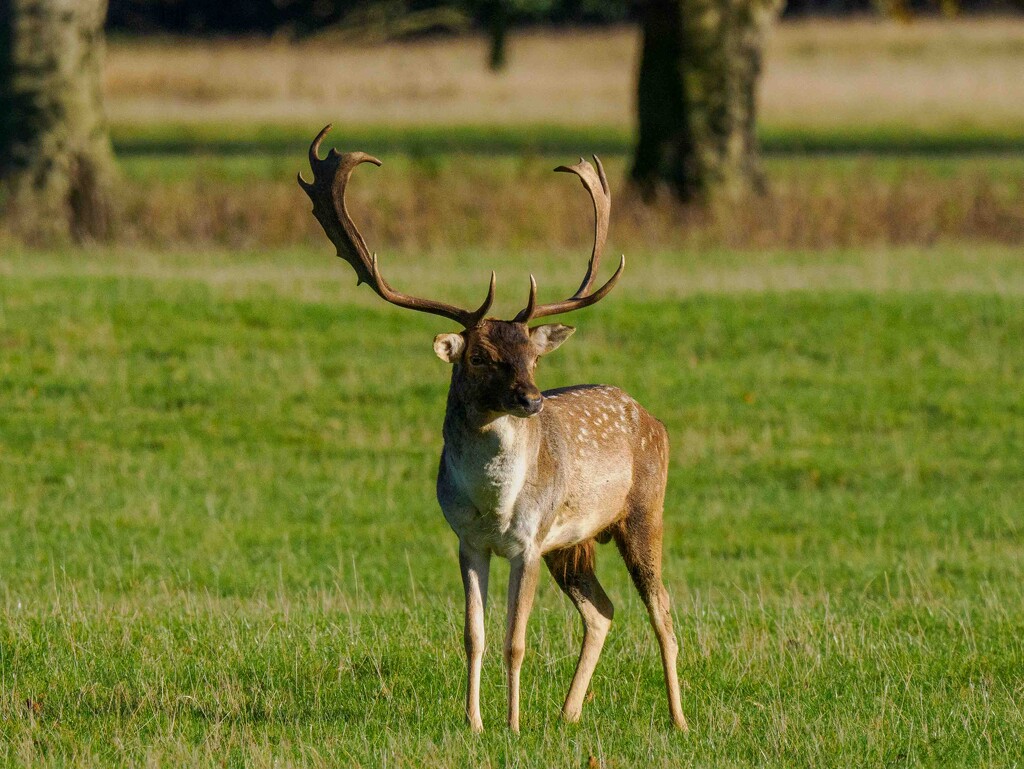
[475,565]
[522,584]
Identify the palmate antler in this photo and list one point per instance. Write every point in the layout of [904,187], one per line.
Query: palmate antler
[327,191]
[597,185]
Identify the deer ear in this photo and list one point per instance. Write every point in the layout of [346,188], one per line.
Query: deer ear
[449,346]
[548,338]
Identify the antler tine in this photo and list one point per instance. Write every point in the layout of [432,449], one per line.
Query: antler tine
[531,304]
[596,183]
[327,191]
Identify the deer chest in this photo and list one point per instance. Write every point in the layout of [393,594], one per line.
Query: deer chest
[484,499]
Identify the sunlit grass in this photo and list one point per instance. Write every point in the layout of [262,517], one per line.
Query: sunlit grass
[928,75]
[221,544]
[217,455]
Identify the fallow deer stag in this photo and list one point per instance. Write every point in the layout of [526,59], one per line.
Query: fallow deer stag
[528,475]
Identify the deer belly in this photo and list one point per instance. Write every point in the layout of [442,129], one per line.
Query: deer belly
[587,514]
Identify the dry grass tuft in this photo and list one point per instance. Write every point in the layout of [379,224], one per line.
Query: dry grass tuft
[471,204]
[916,208]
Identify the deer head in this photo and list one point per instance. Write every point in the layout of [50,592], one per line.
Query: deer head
[494,360]
[494,363]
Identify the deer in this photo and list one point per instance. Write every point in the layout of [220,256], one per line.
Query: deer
[526,475]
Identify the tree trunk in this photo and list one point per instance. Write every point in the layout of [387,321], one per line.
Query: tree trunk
[497,26]
[56,165]
[697,96]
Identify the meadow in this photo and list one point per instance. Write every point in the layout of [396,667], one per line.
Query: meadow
[217,455]
[875,133]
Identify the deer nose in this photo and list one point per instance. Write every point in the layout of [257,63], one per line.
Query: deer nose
[530,402]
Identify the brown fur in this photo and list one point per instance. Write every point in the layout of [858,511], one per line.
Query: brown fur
[568,561]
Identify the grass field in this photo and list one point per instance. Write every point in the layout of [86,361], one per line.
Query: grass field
[217,455]
[874,132]
[211,191]
[221,541]
[931,74]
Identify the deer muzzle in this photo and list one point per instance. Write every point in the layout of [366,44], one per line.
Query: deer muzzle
[527,403]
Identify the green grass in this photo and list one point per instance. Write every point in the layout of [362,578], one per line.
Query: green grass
[197,161]
[221,546]
[276,138]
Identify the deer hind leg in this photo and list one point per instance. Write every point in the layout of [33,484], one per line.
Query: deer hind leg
[573,570]
[638,538]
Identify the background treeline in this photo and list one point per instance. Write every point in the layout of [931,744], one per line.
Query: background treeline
[399,18]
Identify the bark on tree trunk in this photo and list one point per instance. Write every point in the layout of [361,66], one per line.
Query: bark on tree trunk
[56,164]
[697,96]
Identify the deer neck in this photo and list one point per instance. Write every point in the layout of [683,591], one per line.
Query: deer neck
[466,425]
[489,455]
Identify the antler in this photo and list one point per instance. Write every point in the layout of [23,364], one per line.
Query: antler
[597,185]
[327,191]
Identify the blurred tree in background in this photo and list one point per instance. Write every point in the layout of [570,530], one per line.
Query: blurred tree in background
[701,60]
[55,159]
[697,96]
[696,86]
